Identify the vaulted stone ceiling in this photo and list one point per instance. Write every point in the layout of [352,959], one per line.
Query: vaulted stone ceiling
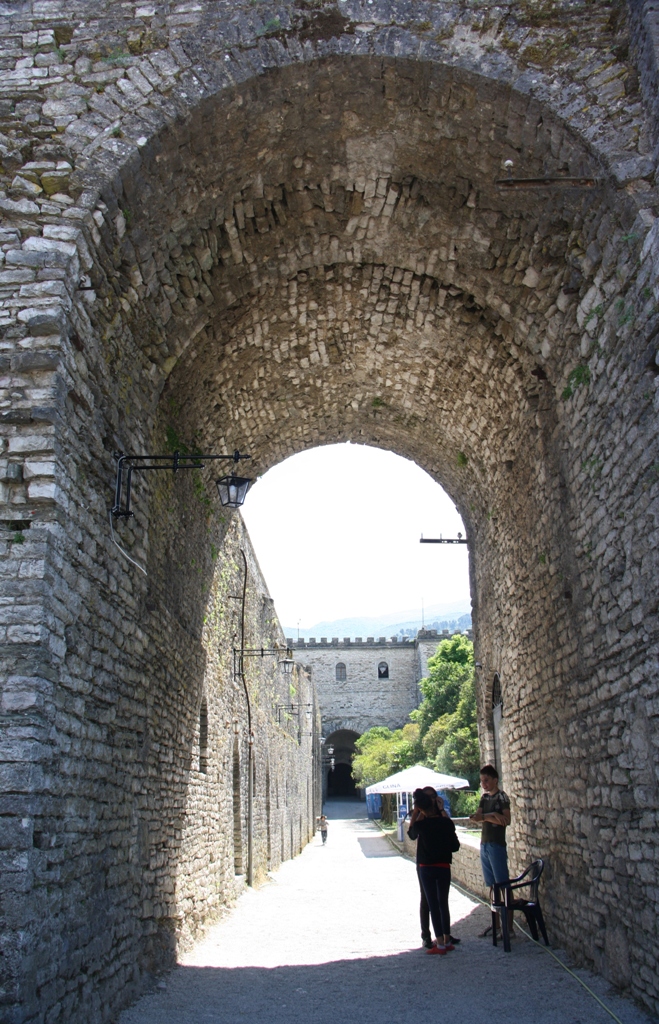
[328,250]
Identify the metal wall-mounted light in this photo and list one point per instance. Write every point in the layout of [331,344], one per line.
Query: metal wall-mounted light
[544,181]
[232,488]
[443,540]
[262,652]
[328,758]
[289,710]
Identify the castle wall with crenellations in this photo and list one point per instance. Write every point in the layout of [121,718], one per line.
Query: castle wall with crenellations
[366,697]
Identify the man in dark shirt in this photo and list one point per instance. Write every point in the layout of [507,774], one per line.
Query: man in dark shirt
[494,813]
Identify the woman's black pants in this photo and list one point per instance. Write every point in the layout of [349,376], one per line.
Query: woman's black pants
[436,883]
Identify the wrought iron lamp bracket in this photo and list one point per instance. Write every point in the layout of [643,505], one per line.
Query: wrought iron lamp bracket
[443,540]
[143,463]
[285,653]
[292,709]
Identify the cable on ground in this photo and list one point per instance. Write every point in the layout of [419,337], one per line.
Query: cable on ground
[545,949]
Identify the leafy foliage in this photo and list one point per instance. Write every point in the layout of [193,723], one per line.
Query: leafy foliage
[450,666]
[442,735]
[576,377]
[464,803]
[381,752]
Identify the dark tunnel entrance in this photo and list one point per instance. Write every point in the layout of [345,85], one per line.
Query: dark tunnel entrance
[338,779]
[340,782]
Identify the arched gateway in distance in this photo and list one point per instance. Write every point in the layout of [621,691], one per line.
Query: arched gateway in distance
[241,227]
[361,683]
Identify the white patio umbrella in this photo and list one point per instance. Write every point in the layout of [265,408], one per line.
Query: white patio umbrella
[416,778]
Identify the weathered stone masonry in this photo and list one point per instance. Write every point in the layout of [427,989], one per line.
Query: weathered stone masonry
[362,699]
[274,226]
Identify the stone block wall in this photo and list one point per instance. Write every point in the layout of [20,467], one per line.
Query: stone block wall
[271,227]
[136,779]
[466,869]
[362,700]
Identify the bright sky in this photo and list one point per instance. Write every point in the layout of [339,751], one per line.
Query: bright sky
[336,530]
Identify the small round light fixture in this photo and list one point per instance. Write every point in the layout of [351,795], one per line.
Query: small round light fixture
[232,489]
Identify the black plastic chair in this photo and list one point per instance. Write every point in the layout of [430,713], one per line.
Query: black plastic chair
[503,902]
[499,907]
[530,906]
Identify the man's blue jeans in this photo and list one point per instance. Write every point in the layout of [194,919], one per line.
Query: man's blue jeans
[494,861]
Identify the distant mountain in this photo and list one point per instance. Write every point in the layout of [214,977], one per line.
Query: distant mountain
[404,623]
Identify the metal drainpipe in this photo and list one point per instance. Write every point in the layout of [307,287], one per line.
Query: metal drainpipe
[250,740]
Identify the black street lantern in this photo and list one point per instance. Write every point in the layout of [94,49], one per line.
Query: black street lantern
[232,489]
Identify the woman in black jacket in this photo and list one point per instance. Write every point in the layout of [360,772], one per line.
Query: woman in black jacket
[436,840]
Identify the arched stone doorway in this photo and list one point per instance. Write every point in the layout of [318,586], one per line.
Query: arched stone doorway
[338,778]
[303,243]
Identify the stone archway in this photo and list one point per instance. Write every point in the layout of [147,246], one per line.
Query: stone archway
[302,244]
[338,780]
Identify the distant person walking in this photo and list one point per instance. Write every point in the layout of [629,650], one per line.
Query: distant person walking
[322,825]
[436,841]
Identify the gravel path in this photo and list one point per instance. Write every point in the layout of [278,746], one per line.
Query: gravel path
[334,937]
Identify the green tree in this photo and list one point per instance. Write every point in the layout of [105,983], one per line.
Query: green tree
[381,752]
[442,734]
[458,750]
[457,649]
[449,667]
[447,713]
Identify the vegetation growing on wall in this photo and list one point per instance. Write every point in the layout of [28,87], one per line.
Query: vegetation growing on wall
[442,733]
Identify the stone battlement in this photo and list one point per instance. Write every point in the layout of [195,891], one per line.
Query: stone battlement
[371,641]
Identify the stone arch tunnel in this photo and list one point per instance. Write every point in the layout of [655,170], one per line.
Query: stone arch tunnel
[284,228]
[338,780]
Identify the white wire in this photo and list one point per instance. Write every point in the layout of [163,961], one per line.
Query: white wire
[125,553]
[545,949]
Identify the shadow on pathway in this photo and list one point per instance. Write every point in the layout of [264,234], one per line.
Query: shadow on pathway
[334,938]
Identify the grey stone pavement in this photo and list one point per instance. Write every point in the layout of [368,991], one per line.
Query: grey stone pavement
[334,937]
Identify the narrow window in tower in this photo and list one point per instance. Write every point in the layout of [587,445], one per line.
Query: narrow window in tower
[341,674]
[383,670]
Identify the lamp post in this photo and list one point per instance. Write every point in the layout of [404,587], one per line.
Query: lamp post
[287,663]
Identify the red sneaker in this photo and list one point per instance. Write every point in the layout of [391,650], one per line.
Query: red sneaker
[437,951]
[449,947]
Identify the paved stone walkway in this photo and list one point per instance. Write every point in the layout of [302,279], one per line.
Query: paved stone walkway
[334,938]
